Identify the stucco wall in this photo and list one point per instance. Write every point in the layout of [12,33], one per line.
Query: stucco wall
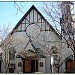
[41,69]
[47,63]
[19,69]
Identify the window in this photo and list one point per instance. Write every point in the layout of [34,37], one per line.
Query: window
[19,64]
[41,64]
[68,8]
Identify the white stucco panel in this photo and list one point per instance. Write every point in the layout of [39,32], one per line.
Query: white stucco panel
[41,68]
[19,40]
[19,69]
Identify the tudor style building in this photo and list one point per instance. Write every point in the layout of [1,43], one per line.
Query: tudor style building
[30,46]
[33,46]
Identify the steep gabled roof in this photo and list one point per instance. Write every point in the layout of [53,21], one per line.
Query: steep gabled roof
[33,7]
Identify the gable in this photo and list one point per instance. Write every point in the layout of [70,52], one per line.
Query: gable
[29,47]
[33,16]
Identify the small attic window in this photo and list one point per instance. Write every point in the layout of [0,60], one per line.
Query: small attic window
[67,8]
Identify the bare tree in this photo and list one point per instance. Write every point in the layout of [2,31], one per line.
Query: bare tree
[60,14]
[3,33]
[19,6]
[8,46]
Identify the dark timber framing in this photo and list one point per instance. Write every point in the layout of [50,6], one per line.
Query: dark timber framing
[34,8]
[25,25]
[45,26]
[29,18]
[37,16]
[41,24]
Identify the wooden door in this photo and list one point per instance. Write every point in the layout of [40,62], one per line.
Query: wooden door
[30,66]
[27,66]
[69,66]
[33,66]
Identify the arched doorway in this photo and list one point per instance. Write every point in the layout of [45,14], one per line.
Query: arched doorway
[69,65]
[30,63]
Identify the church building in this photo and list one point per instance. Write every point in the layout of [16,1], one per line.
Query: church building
[33,46]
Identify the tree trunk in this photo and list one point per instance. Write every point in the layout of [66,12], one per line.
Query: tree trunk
[58,69]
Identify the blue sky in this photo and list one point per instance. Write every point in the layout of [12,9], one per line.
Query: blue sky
[8,13]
